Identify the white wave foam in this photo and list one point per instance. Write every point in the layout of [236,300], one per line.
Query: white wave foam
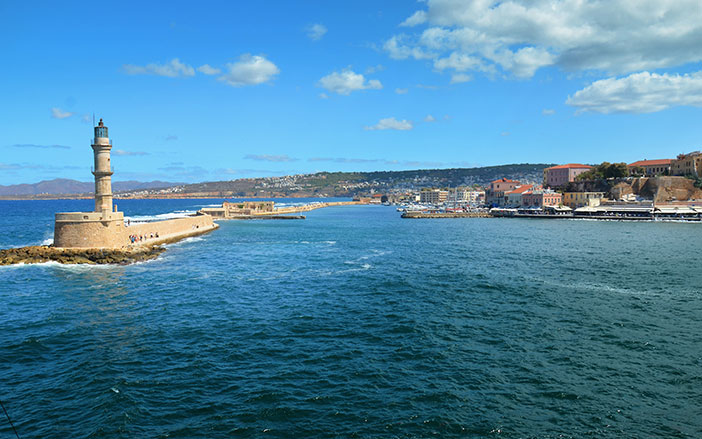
[137,219]
[363,267]
[55,264]
[48,241]
[186,241]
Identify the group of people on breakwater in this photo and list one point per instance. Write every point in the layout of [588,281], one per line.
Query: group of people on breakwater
[133,239]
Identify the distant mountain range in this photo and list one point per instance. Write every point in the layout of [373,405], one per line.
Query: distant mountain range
[345,184]
[62,186]
[320,184]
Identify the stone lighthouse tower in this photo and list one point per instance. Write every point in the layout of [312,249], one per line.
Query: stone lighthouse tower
[104,226]
[102,170]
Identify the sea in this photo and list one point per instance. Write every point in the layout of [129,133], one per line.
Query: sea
[355,323]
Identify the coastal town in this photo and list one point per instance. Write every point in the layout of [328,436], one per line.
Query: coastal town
[666,189]
[645,189]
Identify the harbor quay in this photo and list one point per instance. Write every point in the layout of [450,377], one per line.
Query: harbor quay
[266,209]
[644,191]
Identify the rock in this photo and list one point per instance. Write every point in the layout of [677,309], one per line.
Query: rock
[39,254]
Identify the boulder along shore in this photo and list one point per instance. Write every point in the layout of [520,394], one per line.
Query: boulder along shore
[93,256]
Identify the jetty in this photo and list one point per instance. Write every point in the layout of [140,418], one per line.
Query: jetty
[231,210]
[91,256]
[421,214]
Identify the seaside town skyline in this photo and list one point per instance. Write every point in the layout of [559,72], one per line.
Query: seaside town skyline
[270,89]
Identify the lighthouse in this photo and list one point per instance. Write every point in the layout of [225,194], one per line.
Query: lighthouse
[102,169]
[104,226]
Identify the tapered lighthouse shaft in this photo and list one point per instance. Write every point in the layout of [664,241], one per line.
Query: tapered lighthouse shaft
[102,171]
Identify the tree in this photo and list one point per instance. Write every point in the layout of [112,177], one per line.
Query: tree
[637,171]
[605,170]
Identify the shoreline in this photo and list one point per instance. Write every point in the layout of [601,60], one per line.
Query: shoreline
[194,196]
[125,255]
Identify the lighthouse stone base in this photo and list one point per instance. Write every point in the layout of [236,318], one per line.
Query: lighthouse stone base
[107,230]
[89,230]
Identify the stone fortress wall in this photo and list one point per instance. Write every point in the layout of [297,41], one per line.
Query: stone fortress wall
[159,232]
[95,233]
[252,209]
[87,229]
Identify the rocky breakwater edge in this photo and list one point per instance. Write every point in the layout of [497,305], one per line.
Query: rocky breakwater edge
[128,254]
[91,256]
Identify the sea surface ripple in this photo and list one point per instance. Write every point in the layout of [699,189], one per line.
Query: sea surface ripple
[356,323]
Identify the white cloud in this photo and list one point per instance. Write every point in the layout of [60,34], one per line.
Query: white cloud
[418,17]
[122,152]
[172,69]
[401,91]
[249,70]
[58,113]
[391,123]
[397,48]
[372,69]
[548,112]
[639,93]
[347,81]
[525,62]
[504,133]
[270,158]
[209,70]
[459,62]
[316,31]
[85,118]
[323,96]
[429,118]
[458,78]
[521,36]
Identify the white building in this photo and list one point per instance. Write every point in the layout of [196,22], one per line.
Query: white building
[433,196]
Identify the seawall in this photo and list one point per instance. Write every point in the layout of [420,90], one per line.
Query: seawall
[309,207]
[417,215]
[74,231]
[227,212]
[164,232]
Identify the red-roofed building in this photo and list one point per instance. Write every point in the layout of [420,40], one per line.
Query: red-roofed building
[541,198]
[514,197]
[652,167]
[495,192]
[556,176]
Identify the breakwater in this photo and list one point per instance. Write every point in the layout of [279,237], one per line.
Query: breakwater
[167,231]
[417,215]
[268,217]
[266,209]
[138,242]
[81,230]
[312,206]
[91,256]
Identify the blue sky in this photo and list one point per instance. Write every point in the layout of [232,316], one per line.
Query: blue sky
[225,90]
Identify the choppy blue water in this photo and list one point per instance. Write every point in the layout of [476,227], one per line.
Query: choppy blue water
[356,323]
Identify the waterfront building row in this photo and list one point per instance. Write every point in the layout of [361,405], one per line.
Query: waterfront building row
[557,176]
[689,164]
